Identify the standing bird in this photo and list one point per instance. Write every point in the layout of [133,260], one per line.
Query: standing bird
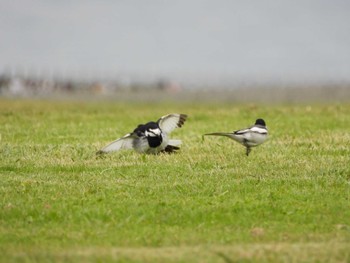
[152,137]
[249,137]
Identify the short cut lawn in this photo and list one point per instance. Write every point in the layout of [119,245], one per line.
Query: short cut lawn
[59,202]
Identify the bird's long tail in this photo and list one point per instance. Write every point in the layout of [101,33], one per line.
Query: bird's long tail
[227,134]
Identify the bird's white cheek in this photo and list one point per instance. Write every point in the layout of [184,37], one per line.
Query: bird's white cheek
[155,131]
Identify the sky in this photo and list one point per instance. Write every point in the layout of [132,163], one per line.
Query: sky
[209,41]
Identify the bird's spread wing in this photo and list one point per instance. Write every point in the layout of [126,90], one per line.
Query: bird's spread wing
[169,122]
[125,142]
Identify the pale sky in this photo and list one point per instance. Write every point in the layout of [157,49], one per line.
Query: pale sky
[261,40]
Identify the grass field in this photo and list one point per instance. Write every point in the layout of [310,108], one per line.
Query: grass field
[289,201]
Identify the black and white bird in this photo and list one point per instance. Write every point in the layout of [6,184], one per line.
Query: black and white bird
[249,137]
[151,138]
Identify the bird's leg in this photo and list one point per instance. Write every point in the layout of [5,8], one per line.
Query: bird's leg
[248,151]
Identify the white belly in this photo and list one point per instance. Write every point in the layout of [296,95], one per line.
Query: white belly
[250,139]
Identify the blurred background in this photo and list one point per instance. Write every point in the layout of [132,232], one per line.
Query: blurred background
[185,49]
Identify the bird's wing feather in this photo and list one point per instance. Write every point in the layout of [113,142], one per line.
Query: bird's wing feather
[260,130]
[126,142]
[169,122]
[243,131]
[174,142]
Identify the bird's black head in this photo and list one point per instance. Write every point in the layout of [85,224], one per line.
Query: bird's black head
[153,134]
[260,122]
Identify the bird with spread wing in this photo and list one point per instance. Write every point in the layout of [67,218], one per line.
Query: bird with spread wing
[150,138]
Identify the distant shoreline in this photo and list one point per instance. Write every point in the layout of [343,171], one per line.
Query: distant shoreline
[273,94]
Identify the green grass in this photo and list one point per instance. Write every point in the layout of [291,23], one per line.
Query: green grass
[288,201]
